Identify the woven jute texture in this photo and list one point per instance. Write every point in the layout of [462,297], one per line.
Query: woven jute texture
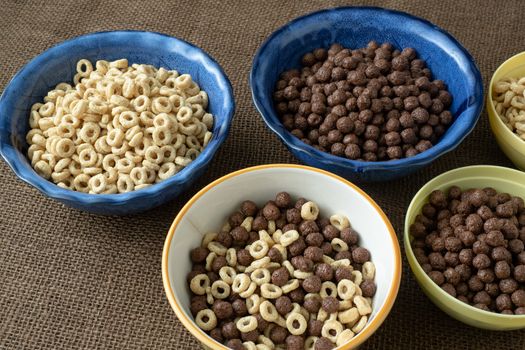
[71,280]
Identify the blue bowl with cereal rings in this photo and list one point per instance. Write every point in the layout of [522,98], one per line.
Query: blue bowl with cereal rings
[354,27]
[59,64]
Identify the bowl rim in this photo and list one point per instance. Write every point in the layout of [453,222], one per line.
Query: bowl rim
[9,152]
[415,265]
[441,148]
[354,342]
[515,139]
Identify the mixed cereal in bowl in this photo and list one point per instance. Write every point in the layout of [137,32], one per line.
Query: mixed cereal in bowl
[282,276]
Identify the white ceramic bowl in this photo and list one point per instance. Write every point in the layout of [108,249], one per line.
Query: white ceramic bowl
[210,207]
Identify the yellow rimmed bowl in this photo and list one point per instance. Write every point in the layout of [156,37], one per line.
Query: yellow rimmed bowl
[210,207]
[479,176]
[509,142]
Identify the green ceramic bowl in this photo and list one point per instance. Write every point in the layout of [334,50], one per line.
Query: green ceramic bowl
[503,180]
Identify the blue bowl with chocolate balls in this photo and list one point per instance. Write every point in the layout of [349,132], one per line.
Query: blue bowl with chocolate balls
[367,93]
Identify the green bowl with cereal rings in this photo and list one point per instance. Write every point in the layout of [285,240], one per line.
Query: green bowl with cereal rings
[503,180]
[512,144]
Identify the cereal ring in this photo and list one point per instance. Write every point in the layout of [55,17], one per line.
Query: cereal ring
[331,330]
[161,104]
[217,248]
[183,81]
[346,289]
[162,136]
[249,345]
[289,237]
[328,289]
[288,266]
[268,311]
[265,237]
[46,110]
[258,249]
[339,245]
[339,221]
[207,138]
[360,325]
[345,304]
[248,292]
[253,303]
[227,274]
[198,111]
[128,119]
[141,104]
[344,337]
[231,257]
[206,320]
[154,154]
[109,161]
[246,324]
[362,305]
[115,137]
[199,283]
[74,168]
[309,343]
[270,291]
[167,170]
[124,166]
[128,88]
[209,297]
[81,183]
[260,263]
[207,238]
[97,183]
[135,158]
[261,276]
[207,119]
[302,275]
[124,183]
[220,289]
[338,263]
[241,282]
[247,223]
[65,148]
[84,67]
[209,260]
[62,164]
[265,343]
[322,315]
[309,211]
[296,324]
[60,176]
[369,270]
[358,277]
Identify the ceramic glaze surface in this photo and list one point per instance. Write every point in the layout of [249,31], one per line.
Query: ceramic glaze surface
[354,27]
[58,64]
[210,208]
[480,176]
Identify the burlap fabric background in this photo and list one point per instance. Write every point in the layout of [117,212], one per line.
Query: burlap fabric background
[71,280]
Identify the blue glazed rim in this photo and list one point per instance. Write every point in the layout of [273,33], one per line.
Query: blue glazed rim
[458,133]
[9,152]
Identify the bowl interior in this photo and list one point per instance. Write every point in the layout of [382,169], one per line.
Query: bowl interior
[354,27]
[512,68]
[208,210]
[503,180]
[58,64]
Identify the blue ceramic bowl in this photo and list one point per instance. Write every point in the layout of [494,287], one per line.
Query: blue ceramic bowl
[57,65]
[354,27]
